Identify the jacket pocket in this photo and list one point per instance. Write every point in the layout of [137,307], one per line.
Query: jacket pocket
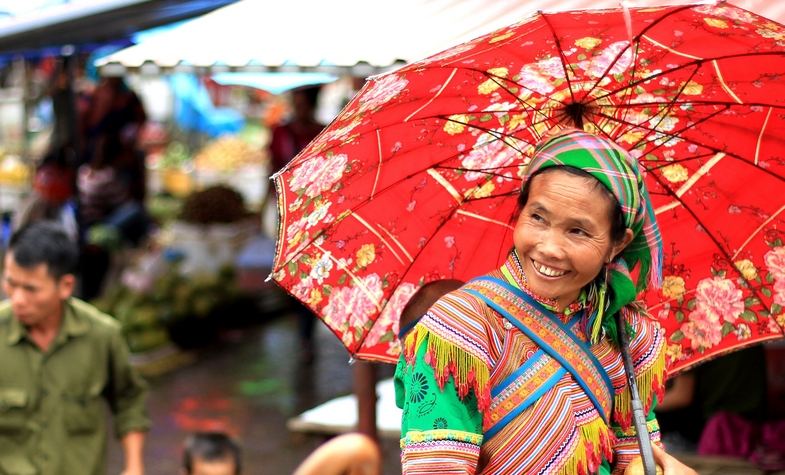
[14,413]
[81,412]
[14,431]
[17,466]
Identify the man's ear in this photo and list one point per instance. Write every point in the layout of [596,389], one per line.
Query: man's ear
[65,286]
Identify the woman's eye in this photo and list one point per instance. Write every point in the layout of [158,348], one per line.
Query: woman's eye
[536,217]
[578,232]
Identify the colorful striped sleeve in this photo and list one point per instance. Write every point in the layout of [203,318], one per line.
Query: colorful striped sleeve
[441,432]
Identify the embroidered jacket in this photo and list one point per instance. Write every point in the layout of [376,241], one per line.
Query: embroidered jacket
[466,372]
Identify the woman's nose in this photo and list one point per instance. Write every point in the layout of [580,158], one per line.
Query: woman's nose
[552,245]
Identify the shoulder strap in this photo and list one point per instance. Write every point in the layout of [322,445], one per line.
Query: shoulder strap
[552,336]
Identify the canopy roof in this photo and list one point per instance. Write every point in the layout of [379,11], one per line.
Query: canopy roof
[368,35]
[95,22]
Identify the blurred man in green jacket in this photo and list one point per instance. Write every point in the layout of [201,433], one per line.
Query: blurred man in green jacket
[62,362]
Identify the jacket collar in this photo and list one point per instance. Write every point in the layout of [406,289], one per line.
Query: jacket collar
[72,325]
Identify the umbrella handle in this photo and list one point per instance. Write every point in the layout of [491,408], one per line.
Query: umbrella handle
[638,416]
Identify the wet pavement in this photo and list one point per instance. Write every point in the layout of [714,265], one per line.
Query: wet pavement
[248,384]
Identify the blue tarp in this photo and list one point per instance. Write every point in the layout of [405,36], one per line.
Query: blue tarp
[194,110]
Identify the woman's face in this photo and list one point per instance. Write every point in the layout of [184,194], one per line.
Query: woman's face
[563,234]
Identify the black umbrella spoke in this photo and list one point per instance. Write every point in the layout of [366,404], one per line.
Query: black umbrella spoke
[565,64]
[635,40]
[697,63]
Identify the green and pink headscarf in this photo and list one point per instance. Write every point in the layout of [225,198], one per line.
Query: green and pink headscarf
[619,173]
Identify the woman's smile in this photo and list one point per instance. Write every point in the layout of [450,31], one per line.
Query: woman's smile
[548,271]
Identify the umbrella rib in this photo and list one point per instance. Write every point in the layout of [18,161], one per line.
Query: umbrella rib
[697,63]
[728,258]
[676,135]
[634,40]
[564,62]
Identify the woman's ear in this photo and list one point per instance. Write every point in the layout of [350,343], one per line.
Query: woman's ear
[619,245]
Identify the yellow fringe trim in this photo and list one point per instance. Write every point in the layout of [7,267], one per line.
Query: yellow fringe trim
[596,435]
[448,359]
[622,403]
[651,425]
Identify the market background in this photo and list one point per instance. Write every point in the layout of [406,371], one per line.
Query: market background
[214,338]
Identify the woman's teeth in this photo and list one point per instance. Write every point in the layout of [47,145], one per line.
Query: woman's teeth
[545,270]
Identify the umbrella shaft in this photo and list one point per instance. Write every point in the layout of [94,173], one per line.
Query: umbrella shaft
[638,416]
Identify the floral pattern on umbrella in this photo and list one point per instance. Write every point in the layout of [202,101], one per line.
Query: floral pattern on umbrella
[416,179]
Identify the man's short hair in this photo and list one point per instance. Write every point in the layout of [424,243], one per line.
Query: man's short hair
[211,447]
[45,242]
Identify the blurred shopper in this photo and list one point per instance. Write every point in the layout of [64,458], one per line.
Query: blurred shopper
[293,135]
[347,454]
[211,453]
[111,181]
[63,362]
[720,409]
[52,199]
[734,383]
[287,140]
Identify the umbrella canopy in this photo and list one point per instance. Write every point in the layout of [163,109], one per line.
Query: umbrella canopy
[363,36]
[416,179]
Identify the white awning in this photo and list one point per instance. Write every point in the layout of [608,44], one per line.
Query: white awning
[318,34]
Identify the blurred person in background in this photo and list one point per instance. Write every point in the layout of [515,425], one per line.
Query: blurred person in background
[111,181]
[287,140]
[63,363]
[720,408]
[52,199]
[347,454]
[211,453]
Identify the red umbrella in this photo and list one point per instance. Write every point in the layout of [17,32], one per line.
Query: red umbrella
[416,179]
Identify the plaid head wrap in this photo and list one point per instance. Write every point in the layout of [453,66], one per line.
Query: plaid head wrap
[619,173]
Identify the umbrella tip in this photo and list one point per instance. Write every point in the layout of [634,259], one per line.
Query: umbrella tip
[269,277]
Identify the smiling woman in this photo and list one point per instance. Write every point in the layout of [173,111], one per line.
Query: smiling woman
[567,232]
[519,370]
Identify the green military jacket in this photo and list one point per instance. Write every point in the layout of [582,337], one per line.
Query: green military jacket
[53,404]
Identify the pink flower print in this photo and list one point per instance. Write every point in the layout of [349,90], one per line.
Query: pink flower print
[533,80]
[701,329]
[351,306]
[730,13]
[339,133]
[721,297]
[489,155]
[318,174]
[775,262]
[779,292]
[294,231]
[773,326]
[551,67]
[382,91]
[597,65]
[302,289]
[389,319]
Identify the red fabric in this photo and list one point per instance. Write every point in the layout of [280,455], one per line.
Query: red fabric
[416,179]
